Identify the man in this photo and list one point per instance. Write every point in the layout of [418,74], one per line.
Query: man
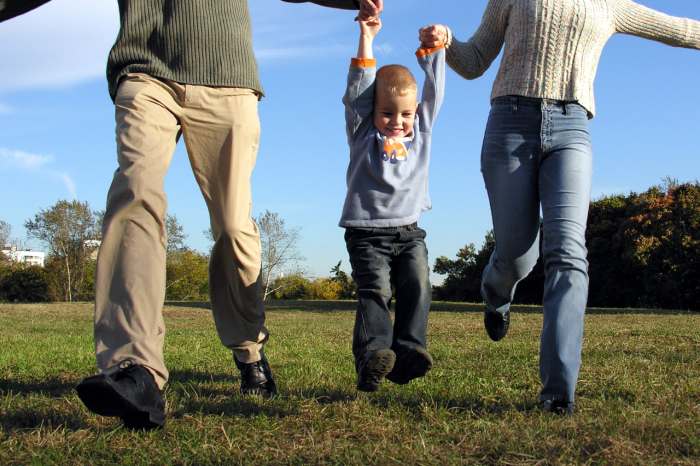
[178,68]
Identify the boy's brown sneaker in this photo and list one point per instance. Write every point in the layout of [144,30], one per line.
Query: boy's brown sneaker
[414,363]
[373,367]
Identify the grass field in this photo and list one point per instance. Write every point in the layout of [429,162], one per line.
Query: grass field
[638,395]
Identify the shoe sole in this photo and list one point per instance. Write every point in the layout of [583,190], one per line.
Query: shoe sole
[102,398]
[415,363]
[372,374]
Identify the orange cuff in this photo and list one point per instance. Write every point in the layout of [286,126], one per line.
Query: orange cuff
[363,62]
[424,52]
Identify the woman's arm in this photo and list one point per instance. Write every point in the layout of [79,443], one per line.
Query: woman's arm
[637,20]
[471,59]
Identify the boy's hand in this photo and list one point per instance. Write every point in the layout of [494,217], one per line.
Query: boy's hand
[370,9]
[432,36]
[370,28]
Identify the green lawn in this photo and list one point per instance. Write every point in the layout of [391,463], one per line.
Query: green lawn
[638,395]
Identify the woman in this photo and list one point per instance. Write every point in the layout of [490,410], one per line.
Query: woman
[537,154]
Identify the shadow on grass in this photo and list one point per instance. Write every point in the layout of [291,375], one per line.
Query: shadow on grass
[218,394]
[49,388]
[336,306]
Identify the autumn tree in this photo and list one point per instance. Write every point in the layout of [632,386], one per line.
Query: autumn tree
[69,230]
[347,285]
[463,281]
[5,232]
[280,250]
[644,249]
[186,270]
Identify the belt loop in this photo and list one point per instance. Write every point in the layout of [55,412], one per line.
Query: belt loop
[567,109]
[513,105]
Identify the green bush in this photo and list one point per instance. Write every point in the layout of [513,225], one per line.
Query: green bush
[21,283]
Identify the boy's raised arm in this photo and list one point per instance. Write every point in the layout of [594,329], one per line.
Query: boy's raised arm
[432,61]
[359,95]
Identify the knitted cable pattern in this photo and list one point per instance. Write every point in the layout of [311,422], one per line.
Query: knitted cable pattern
[552,47]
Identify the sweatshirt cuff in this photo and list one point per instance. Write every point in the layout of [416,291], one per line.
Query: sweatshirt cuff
[424,52]
[448,38]
[363,62]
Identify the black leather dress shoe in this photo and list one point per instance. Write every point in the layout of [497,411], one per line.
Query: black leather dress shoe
[561,408]
[414,363]
[130,394]
[373,367]
[496,324]
[256,378]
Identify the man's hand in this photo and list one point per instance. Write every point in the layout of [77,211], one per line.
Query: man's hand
[370,9]
[432,36]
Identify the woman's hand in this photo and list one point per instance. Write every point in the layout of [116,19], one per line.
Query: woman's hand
[432,36]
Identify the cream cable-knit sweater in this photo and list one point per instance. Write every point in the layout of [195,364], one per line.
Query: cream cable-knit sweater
[552,47]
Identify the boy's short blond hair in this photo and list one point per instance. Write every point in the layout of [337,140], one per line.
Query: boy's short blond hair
[397,80]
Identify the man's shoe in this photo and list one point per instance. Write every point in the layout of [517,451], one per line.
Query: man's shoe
[130,394]
[561,408]
[496,324]
[256,378]
[414,363]
[373,367]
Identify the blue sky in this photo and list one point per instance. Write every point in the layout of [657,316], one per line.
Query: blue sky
[57,121]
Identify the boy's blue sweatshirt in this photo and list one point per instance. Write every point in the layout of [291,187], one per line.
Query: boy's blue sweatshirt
[387,185]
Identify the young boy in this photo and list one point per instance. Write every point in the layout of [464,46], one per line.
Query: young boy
[389,136]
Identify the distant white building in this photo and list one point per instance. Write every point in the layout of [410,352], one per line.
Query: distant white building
[29,257]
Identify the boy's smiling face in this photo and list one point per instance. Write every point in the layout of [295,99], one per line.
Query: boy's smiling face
[394,114]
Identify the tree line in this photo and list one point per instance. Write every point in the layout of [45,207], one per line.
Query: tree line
[71,233]
[643,252]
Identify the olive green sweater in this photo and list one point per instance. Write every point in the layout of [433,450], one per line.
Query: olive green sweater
[205,42]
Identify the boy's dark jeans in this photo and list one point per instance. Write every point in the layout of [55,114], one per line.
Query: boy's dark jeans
[382,258]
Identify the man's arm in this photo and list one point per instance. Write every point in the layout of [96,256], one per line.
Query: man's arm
[368,8]
[11,8]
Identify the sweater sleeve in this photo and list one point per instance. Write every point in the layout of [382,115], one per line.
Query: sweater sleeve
[11,8]
[342,4]
[432,61]
[359,97]
[471,59]
[637,20]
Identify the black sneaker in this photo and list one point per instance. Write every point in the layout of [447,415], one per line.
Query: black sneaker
[373,367]
[561,408]
[414,363]
[256,378]
[496,324]
[130,394]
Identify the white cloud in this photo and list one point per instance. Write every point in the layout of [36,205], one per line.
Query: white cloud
[383,49]
[70,185]
[23,160]
[35,165]
[61,43]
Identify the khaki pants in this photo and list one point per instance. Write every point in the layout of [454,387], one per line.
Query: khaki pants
[221,131]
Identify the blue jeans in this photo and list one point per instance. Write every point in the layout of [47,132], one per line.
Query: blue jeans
[382,259]
[537,153]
